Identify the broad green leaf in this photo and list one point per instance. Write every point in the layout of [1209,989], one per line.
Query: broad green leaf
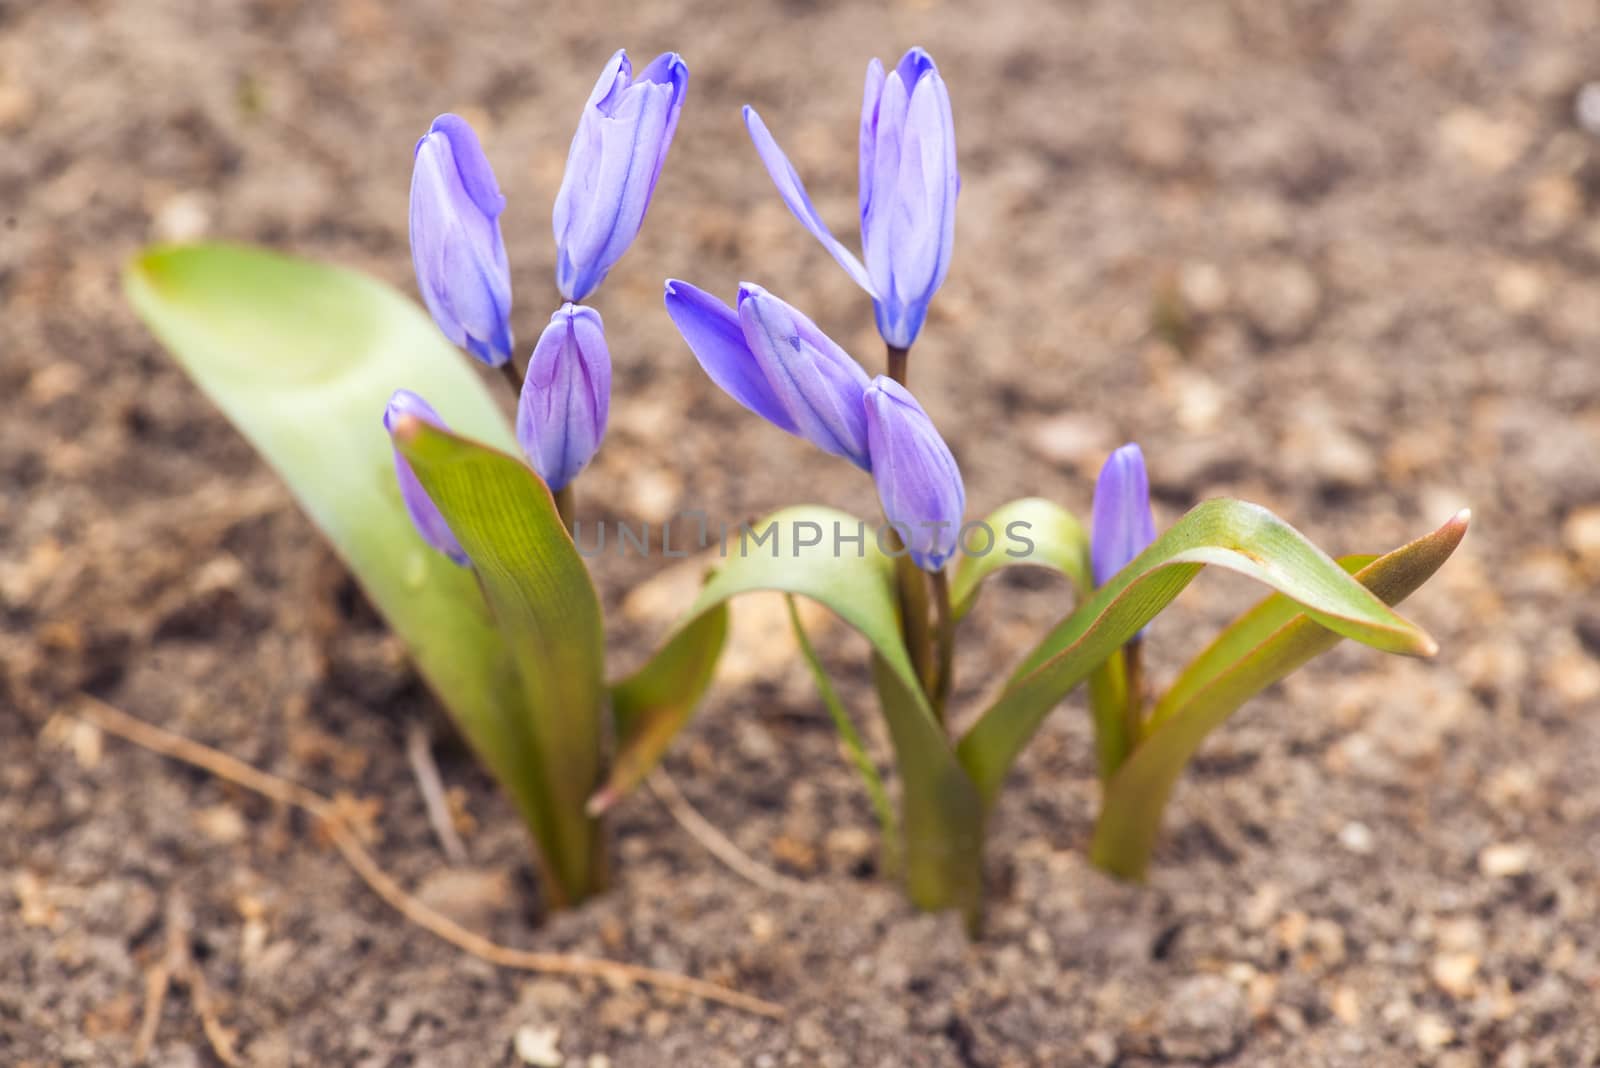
[1059,544]
[653,704]
[1225,533]
[1262,646]
[545,606]
[941,818]
[302,358]
[854,746]
[1238,640]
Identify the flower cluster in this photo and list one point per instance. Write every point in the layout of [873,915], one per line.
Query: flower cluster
[462,270]
[773,360]
[516,649]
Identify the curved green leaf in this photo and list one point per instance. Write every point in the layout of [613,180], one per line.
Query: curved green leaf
[941,818]
[1262,646]
[1237,641]
[849,736]
[1225,533]
[302,359]
[653,704]
[545,606]
[1057,540]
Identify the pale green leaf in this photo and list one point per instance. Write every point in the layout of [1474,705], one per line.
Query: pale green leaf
[302,358]
[546,609]
[1225,533]
[1030,532]
[941,819]
[1262,646]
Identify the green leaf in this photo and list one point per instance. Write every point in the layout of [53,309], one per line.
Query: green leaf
[540,595]
[871,781]
[1225,533]
[1262,646]
[653,704]
[941,819]
[1059,544]
[302,358]
[1237,641]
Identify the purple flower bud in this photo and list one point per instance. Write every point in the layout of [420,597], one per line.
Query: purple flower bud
[424,515]
[456,246]
[612,167]
[566,396]
[909,184]
[1123,526]
[918,480]
[777,363]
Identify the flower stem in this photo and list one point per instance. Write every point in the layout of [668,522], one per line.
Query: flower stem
[1133,702]
[567,505]
[911,587]
[898,363]
[944,639]
[514,376]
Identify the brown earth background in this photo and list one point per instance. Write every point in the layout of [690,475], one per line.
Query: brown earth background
[1340,258]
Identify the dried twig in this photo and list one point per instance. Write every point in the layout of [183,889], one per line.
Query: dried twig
[130,728]
[420,754]
[720,845]
[178,963]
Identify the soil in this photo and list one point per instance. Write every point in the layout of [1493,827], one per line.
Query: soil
[1339,258]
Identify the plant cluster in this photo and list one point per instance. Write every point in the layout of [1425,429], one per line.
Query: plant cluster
[461,528]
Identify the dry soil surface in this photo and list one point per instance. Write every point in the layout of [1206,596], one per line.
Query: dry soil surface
[1339,258]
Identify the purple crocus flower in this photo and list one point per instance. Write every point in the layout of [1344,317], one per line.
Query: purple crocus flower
[424,514]
[778,364]
[908,192]
[1122,526]
[566,396]
[456,245]
[612,167]
[918,480]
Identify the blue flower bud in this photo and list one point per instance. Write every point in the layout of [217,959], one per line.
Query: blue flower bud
[424,515]
[566,396]
[1122,525]
[918,480]
[456,246]
[909,184]
[612,167]
[777,363]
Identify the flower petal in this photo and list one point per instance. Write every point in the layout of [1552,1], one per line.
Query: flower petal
[456,245]
[1122,526]
[814,379]
[793,191]
[425,516]
[918,481]
[566,396]
[714,335]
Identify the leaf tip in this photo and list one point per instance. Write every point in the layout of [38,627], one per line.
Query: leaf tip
[406,428]
[601,802]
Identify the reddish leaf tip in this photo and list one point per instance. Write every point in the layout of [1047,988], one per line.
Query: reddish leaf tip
[406,428]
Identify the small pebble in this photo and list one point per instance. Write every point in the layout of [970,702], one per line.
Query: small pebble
[1454,973]
[1357,837]
[536,1046]
[1505,859]
[1432,1033]
[1204,1019]
[1586,108]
